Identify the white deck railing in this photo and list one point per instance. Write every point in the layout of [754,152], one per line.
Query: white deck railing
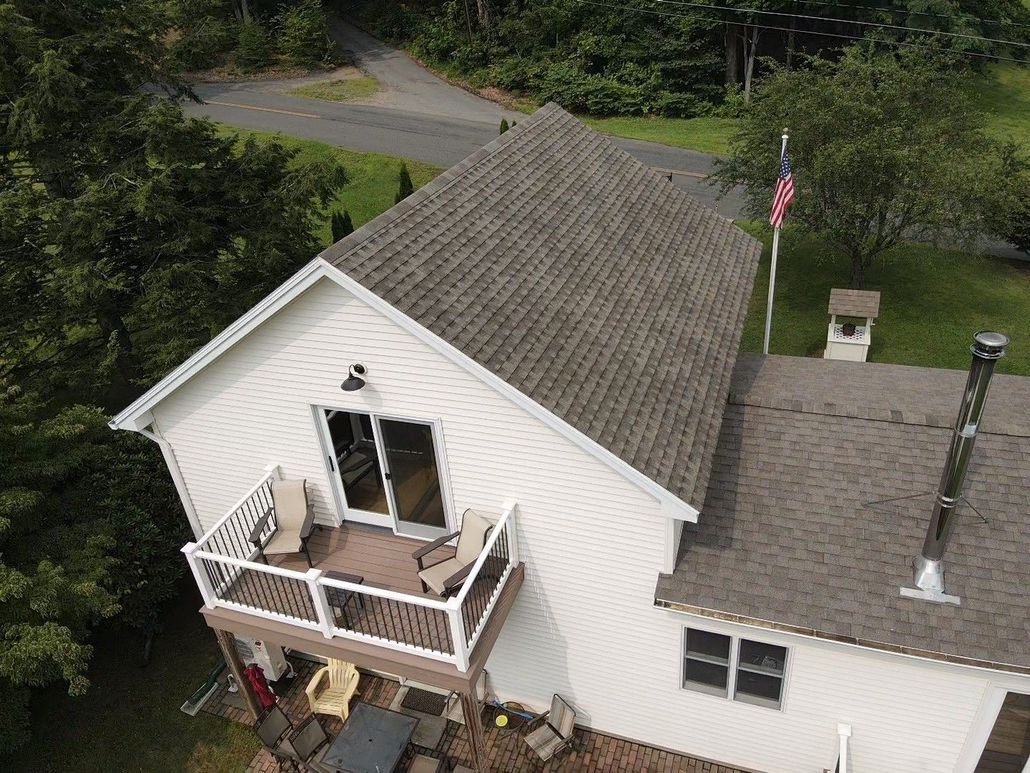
[224,566]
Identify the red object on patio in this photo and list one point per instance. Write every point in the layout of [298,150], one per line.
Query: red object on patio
[257,680]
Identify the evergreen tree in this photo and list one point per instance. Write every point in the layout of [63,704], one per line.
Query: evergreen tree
[129,232]
[405,188]
[342,225]
[76,547]
[504,125]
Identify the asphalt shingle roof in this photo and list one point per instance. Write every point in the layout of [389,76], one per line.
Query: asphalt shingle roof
[820,496]
[582,278]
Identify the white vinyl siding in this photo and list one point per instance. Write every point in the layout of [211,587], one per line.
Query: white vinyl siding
[584,624]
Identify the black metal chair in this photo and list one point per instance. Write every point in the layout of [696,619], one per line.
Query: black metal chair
[272,728]
[308,743]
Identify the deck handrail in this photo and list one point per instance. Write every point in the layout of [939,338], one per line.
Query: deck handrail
[271,473]
[310,599]
[495,534]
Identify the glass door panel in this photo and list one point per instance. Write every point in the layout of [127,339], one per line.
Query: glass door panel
[413,478]
[355,460]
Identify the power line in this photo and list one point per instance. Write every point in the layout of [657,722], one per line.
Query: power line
[807,32]
[914,13]
[882,25]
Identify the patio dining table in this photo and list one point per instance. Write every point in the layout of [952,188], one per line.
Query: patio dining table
[373,740]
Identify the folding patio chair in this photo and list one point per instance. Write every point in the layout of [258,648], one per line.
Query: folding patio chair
[555,734]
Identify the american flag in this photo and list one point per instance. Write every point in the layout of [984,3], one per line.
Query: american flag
[783,196]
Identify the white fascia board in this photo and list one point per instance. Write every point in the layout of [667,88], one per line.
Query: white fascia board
[319,268]
[286,292]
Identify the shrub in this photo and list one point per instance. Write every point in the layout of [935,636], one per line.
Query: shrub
[675,105]
[253,46]
[304,34]
[202,44]
[341,225]
[1015,225]
[404,186]
[575,90]
[504,125]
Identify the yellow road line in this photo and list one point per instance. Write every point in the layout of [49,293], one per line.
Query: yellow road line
[263,109]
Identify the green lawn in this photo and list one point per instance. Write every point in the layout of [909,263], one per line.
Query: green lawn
[710,135]
[343,90]
[1004,93]
[130,719]
[373,177]
[932,301]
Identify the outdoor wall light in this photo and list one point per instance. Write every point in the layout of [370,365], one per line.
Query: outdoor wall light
[354,381]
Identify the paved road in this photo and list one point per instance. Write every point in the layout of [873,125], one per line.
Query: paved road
[420,116]
[435,139]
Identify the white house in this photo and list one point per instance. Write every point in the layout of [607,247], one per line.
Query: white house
[701,552]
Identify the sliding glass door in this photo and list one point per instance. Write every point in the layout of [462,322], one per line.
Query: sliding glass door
[413,477]
[386,471]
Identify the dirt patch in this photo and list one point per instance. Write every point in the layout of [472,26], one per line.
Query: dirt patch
[228,72]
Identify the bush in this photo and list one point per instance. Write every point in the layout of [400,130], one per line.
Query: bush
[1016,216]
[202,45]
[253,47]
[304,34]
[575,90]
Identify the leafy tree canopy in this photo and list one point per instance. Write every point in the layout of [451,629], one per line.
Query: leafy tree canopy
[883,148]
[131,233]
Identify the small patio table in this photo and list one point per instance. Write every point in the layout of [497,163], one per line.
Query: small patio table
[373,740]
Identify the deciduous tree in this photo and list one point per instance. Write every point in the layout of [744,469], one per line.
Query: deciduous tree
[884,147]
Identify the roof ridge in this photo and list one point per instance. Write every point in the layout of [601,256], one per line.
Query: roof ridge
[437,185]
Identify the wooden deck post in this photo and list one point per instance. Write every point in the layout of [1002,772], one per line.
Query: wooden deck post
[227,642]
[472,710]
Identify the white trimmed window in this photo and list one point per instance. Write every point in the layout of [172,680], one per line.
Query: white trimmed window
[732,667]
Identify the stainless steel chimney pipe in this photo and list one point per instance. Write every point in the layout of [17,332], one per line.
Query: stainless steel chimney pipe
[988,347]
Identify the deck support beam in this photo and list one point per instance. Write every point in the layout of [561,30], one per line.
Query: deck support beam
[473,713]
[227,643]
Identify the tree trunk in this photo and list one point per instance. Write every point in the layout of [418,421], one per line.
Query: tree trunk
[125,361]
[750,54]
[857,273]
[483,10]
[241,9]
[732,55]
[790,41]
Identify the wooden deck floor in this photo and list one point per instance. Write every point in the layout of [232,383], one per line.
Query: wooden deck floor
[375,553]
[507,752]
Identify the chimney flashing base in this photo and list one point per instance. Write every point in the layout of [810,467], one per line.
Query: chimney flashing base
[936,596]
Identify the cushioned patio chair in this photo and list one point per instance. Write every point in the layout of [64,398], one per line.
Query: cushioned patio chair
[555,733]
[331,689]
[294,520]
[445,577]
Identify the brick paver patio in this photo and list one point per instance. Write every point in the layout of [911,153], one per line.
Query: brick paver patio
[506,750]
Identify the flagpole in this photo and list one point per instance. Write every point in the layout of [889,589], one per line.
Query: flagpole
[772,268]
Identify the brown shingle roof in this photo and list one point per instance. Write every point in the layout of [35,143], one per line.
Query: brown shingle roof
[820,496]
[854,303]
[583,279]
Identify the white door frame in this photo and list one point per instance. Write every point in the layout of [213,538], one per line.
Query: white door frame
[983,723]
[390,520]
[429,532]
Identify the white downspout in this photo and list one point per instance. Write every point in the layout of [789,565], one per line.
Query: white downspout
[177,479]
[844,736]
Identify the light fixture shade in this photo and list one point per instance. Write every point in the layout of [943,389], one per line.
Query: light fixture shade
[352,384]
[354,381]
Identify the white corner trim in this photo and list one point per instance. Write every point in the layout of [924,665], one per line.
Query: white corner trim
[318,269]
